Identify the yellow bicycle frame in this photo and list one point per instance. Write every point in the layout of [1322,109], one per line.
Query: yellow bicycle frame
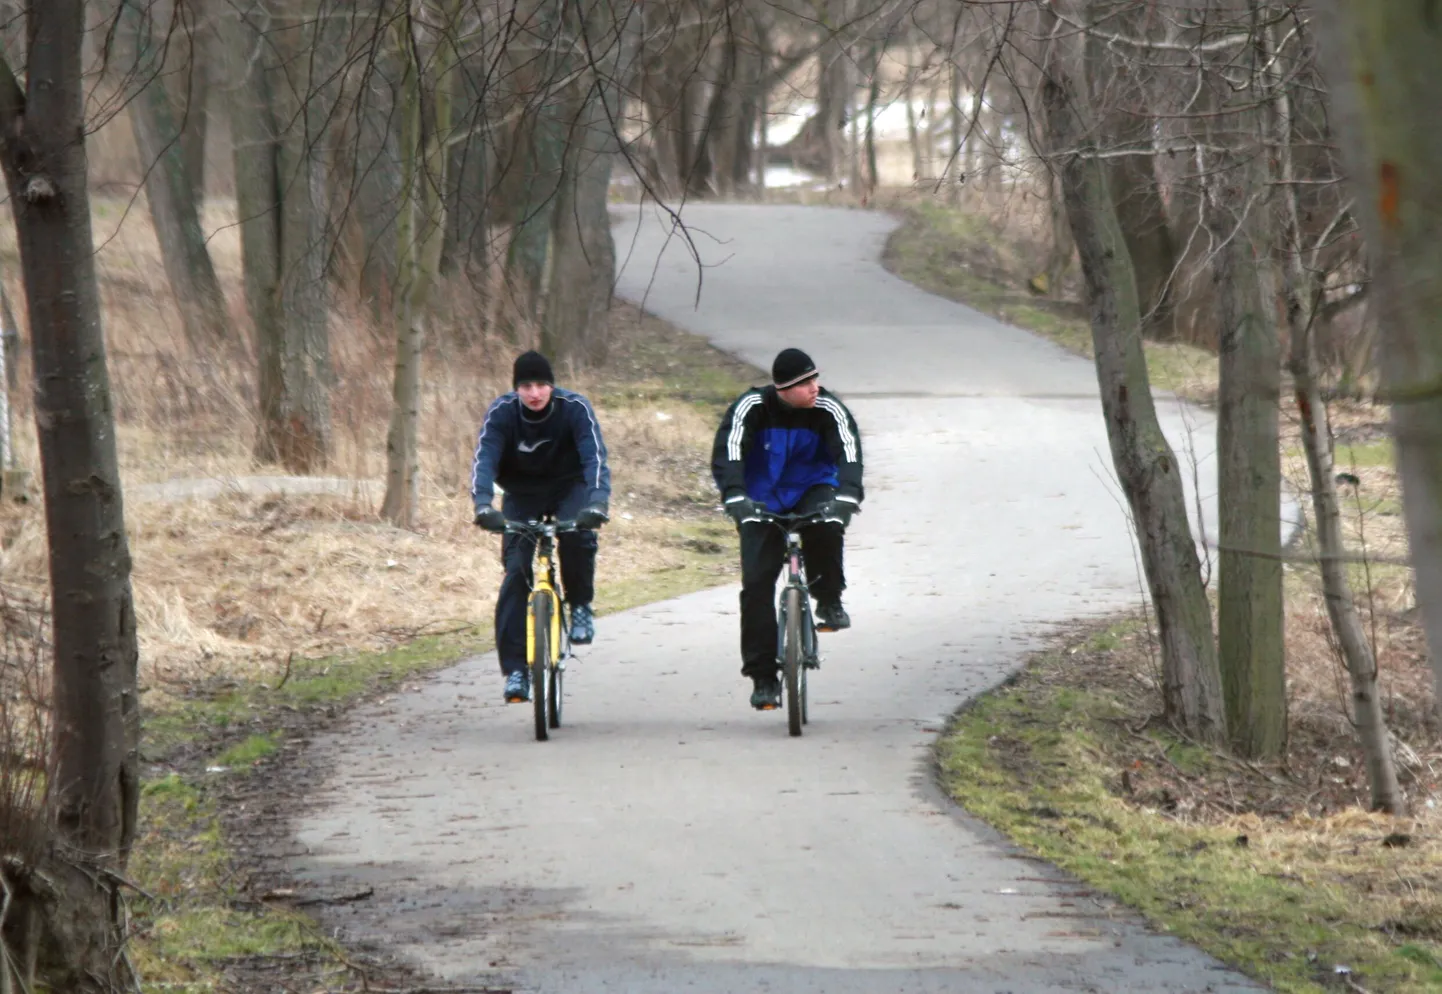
[542,585]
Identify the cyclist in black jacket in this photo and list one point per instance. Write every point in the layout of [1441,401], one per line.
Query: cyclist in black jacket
[543,446]
[791,447]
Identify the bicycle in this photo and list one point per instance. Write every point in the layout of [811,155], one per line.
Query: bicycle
[795,624]
[548,639]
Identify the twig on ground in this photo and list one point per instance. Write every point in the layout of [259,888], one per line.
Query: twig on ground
[359,895]
[290,656]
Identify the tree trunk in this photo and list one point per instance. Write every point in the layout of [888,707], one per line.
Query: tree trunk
[280,194]
[1062,247]
[958,162]
[425,146]
[1249,577]
[193,95]
[873,96]
[1133,90]
[467,241]
[1145,465]
[543,159]
[1352,639]
[913,133]
[170,190]
[1143,218]
[583,269]
[96,785]
[833,107]
[1382,68]
[1303,296]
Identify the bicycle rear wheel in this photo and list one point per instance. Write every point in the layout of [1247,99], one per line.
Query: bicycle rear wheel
[541,660]
[791,668]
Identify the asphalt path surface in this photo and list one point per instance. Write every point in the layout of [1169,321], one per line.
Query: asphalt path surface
[671,839]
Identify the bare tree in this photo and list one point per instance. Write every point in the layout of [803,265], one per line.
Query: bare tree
[583,264]
[1384,79]
[70,900]
[1249,472]
[149,34]
[281,197]
[1147,467]
[425,155]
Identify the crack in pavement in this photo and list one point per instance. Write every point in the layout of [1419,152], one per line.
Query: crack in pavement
[669,838]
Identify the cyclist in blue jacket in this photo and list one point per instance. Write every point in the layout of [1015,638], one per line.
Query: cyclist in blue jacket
[791,447]
[543,446]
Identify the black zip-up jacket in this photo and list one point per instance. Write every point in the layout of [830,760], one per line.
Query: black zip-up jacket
[773,452]
[537,454]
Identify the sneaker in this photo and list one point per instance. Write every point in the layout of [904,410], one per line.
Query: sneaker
[831,617]
[518,687]
[583,624]
[767,695]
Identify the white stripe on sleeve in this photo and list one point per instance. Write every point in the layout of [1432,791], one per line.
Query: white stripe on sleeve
[848,437]
[738,425]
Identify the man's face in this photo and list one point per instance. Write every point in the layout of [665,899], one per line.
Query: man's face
[802,394]
[534,395]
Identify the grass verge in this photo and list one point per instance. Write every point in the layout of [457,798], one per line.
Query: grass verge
[959,254]
[1275,872]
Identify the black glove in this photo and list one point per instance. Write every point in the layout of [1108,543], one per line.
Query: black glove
[741,508]
[593,516]
[491,519]
[839,511]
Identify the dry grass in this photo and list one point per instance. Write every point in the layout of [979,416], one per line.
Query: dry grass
[1276,868]
[230,587]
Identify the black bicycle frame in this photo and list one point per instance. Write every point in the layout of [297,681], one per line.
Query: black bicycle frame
[795,566]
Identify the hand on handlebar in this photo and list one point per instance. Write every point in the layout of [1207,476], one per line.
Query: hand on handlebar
[838,511]
[491,519]
[593,516]
[742,509]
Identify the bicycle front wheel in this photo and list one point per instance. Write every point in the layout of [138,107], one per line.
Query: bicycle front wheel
[791,668]
[541,660]
[558,673]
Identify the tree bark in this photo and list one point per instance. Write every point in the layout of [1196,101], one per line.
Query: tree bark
[1143,218]
[1145,465]
[96,784]
[1382,68]
[1249,575]
[467,237]
[583,269]
[426,153]
[1303,295]
[193,98]
[170,190]
[280,194]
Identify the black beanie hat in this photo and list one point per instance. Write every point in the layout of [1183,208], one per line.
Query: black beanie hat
[531,367]
[792,366]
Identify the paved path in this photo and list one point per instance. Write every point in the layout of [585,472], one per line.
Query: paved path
[669,839]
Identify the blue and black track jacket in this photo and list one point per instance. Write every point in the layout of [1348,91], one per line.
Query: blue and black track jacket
[773,453]
[530,454]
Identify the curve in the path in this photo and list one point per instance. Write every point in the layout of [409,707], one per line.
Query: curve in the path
[669,838]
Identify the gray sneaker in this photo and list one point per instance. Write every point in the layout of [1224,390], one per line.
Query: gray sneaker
[518,687]
[767,695]
[583,624]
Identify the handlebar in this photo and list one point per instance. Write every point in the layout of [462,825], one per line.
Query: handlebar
[787,520]
[536,529]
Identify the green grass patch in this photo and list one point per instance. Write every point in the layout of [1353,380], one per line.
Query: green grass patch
[189,923]
[959,255]
[1050,761]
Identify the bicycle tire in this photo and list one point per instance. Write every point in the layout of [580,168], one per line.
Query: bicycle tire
[808,660]
[557,695]
[791,667]
[541,661]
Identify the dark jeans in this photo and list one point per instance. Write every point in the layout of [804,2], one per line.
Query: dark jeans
[763,551]
[578,567]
